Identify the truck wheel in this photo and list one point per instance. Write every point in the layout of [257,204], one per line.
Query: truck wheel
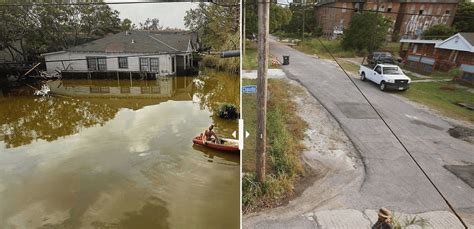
[362,76]
[382,86]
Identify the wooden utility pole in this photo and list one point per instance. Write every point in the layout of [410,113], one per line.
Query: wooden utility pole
[263,24]
[244,38]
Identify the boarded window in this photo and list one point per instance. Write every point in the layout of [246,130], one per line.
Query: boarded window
[154,65]
[123,62]
[144,65]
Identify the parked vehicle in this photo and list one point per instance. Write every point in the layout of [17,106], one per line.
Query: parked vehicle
[387,76]
[381,58]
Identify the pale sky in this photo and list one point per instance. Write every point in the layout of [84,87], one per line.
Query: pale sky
[169,14]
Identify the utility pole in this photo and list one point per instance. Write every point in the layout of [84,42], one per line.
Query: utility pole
[244,38]
[263,28]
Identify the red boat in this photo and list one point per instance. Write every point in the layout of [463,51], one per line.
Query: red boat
[226,144]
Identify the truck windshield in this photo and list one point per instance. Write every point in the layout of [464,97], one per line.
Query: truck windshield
[391,71]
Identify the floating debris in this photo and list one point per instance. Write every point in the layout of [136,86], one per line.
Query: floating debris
[44,91]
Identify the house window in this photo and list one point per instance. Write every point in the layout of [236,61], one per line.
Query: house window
[389,10]
[154,65]
[96,63]
[447,12]
[420,12]
[149,64]
[344,6]
[144,64]
[91,64]
[123,62]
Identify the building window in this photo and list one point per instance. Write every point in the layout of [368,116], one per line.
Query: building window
[96,63]
[91,64]
[149,64]
[389,10]
[144,64]
[447,12]
[420,12]
[123,62]
[344,6]
[154,65]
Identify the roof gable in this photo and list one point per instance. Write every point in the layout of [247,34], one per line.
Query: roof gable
[456,42]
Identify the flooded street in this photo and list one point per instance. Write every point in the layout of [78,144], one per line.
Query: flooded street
[118,154]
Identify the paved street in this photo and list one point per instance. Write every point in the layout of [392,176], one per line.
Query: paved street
[391,177]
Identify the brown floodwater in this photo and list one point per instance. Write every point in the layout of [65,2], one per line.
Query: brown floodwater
[118,154]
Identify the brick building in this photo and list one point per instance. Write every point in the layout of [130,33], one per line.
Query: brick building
[428,55]
[334,15]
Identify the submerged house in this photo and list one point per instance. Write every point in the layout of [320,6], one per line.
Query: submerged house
[428,55]
[130,54]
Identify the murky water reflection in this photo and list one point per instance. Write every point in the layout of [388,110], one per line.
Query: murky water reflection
[118,154]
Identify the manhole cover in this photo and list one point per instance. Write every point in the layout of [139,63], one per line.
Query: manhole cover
[357,110]
[463,172]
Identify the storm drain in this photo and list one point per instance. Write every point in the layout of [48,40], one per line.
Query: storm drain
[357,110]
[463,172]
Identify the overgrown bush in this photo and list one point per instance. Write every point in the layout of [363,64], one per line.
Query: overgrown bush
[228,111]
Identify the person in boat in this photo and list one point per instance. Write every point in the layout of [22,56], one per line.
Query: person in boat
[210,135]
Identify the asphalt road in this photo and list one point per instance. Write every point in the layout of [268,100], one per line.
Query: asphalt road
[391,177]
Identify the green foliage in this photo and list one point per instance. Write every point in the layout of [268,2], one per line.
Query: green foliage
[302,19]
[217,26]
[45,28]
[279,17]
[438,32]
[463,20]
[372,37]
[227,111]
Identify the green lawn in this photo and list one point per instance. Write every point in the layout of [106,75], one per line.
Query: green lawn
[285,129]
[313,46]
[250,61]
[442,96]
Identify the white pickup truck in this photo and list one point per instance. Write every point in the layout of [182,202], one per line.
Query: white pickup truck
[387,76]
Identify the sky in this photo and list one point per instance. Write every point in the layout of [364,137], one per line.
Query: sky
[169,14]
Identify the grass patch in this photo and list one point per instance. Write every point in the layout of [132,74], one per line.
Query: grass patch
[250,59]
[285,129]
[349,67]
[442,96]
[313,46]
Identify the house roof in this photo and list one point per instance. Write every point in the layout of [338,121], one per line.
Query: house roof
[469,37]
[139,42]
[458,42]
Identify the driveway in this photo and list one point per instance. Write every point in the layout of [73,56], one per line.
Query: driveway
[392,179]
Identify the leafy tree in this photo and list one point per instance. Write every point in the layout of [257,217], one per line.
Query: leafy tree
[126,25]
[35,29]
[302,15]
[251,16]
[463,20]
[279,17]
[151,24]
[217,26]
[371,37]
[438,32]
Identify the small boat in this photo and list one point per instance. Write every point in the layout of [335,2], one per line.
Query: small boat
[225,144]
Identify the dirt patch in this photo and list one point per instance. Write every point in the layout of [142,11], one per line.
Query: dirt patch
[463,133]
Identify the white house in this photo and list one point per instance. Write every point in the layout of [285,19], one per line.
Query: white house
[143,53]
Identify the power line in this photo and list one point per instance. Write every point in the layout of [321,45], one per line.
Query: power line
[92,3]
[395,135]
